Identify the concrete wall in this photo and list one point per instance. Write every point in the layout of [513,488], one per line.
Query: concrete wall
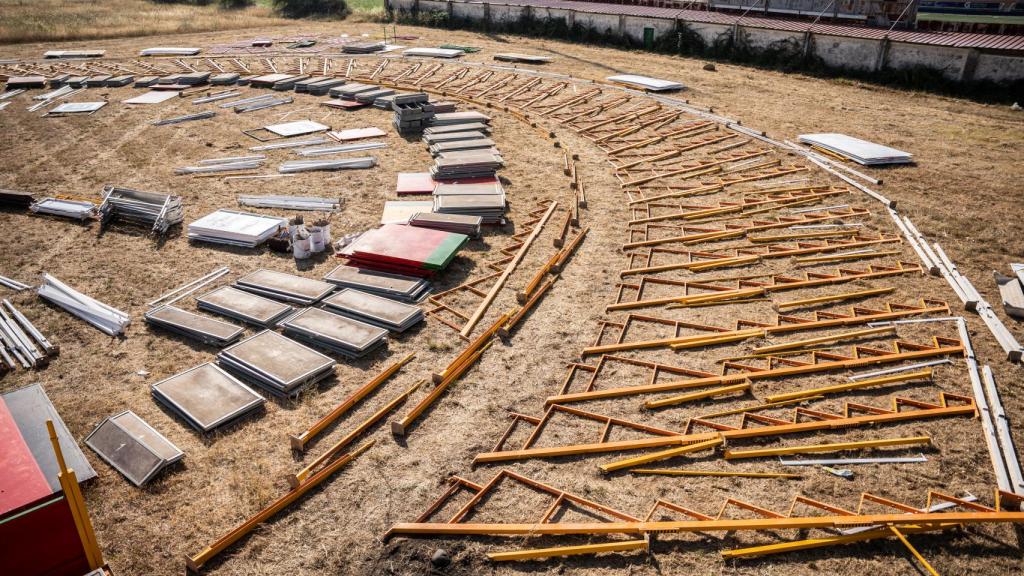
[838,52]
[999,68]
[850,53]
[760,39]
[950,61]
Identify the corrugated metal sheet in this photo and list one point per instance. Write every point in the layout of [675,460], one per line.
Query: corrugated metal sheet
[952,39]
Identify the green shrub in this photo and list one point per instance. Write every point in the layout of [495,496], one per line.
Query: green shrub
[305,8]
[235,4]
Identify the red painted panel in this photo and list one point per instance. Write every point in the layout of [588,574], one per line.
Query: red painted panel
[21,480]
[42,542]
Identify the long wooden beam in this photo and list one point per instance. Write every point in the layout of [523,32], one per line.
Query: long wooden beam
[834,447]
[298,478]
[799,395]
[750,333]
[716,473]
[741,433]
[194,563]
[500,283]
[759,375]
[800,284]
[936,519]
[842,337]
[299,441]
[623,546]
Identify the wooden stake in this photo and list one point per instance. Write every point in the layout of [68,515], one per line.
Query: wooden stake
[298,478]
[834,298]
[854,335]
[669,472]
[194,563]
[76,503]
[837,447]
[299,441]
[533,554]
[801,395]
[648,458]
[500,283]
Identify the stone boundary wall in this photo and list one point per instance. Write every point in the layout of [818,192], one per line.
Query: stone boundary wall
[960,65]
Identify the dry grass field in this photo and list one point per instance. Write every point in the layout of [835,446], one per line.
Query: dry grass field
[964,191]
[62,20]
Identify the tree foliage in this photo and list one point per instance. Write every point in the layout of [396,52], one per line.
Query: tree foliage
[306,8]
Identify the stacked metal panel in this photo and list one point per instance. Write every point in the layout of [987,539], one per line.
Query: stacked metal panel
[370,96]
[524,58]
[158,211]
[459,136]
[106,318]
[463,165]
[339,334]
[404,249]
[244,306]
[369,47]
[268,80]
[224,79]
[393,286]
[25,82]
[413,112]
[285,287]
[79,210]
[235,228]
[433,52]
[288,83]
[376,310]
[21,341]
[458,223]
[304,203]
[206,396]
[860,151]
[280,365]
[119,81]
[646,83]
[16,199]
[169,51]
[302,86]
[457,127]
[293,166]
[189,324]
[132,447]
[454,118]
[322,87]
[348,91]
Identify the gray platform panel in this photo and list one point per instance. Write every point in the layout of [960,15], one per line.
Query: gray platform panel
[132,447]
[376,309]
[207,396]
[243,305]
[204,327]
[287,284]
[280,358]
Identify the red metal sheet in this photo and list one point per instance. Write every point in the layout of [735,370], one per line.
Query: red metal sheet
[42,542]
[21,480]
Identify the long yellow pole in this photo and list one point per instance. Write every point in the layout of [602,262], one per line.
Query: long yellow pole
[881,381]
[913,550]
[299,441]
[197,561]
[73,495]
[837,447]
